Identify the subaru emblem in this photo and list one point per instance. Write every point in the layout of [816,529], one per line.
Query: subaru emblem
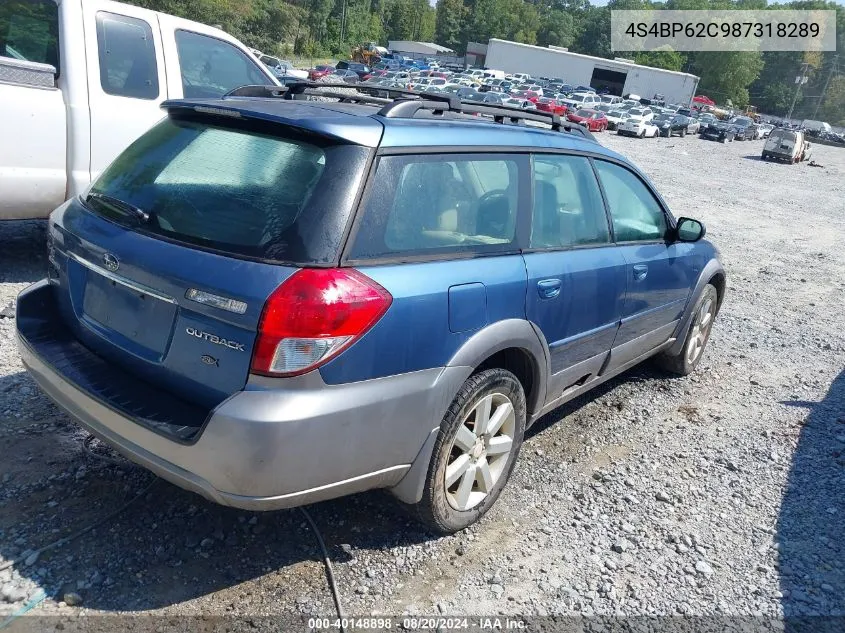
[111,262]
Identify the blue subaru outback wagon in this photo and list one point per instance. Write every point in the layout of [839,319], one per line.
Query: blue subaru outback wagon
[272,300]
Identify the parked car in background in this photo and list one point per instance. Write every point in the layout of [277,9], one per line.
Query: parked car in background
[611,99]
[346,76]
[721,131]
[745,130]
[593,120]
[581,100]
[786,145]
[522,104]
[614,117]
[765,129]
[362,70]
[693,124]
[283,67]
[670,124]
[79,81]
[283,360]
[547,104]
[638,124]
[320,71]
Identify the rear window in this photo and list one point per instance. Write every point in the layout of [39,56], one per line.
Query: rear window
[234,189]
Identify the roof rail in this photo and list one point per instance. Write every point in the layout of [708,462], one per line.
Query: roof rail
[407,103]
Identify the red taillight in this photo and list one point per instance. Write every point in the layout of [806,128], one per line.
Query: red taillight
[313,316]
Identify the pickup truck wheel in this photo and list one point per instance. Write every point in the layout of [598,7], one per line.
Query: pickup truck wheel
[704,313]
[475,451]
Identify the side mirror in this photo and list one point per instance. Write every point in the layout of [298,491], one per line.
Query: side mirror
[689,230]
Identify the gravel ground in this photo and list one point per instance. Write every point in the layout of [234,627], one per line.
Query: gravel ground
[719,493]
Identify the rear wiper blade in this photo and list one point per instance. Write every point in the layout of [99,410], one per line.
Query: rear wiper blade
[120,205]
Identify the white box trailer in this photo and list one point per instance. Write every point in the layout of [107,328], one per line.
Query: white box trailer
[619,77]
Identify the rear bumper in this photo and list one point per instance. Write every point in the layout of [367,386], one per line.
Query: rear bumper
[278,443]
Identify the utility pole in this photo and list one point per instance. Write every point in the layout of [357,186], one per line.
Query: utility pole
[826,83]
[800,81]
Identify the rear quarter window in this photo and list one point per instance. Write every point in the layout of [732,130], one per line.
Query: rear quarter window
[440,206]
[235,189]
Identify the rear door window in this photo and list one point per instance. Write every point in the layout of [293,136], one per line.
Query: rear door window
[234,189]
[29,31]
[438,205]
[212,67]
[127,56]
[568,208]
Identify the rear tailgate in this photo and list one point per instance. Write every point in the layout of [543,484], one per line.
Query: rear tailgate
[125,296]
[164,267]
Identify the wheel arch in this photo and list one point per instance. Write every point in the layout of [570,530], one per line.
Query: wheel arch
[513,344]
[712,273]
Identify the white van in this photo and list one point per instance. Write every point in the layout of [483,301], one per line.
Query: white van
[80,80]
[493,74]
[788,145]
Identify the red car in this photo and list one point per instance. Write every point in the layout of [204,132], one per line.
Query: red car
[547,104]
[593,120]
[320,71]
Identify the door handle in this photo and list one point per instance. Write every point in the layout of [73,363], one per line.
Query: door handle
[640,271]
[548,288]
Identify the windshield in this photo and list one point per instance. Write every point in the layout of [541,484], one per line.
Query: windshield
[635,113]
[584,113]
[233,189]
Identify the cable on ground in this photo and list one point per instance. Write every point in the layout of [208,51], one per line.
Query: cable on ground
[329,571]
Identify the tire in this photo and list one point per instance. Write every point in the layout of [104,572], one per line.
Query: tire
[683,133]
[698,334]
[448,509]
[642,134]
[724,139]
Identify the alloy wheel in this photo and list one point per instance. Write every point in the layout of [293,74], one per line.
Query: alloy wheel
[480,451]
[701,330]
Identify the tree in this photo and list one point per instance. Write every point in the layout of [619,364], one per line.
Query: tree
[450,23]
[557,28]
[776,98]
[666,59]
[727,75]
[594,36]
[507,19]
[832,108]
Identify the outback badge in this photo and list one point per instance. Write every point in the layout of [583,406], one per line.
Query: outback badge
[213,338]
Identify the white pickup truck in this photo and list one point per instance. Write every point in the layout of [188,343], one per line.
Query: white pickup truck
[81,79]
